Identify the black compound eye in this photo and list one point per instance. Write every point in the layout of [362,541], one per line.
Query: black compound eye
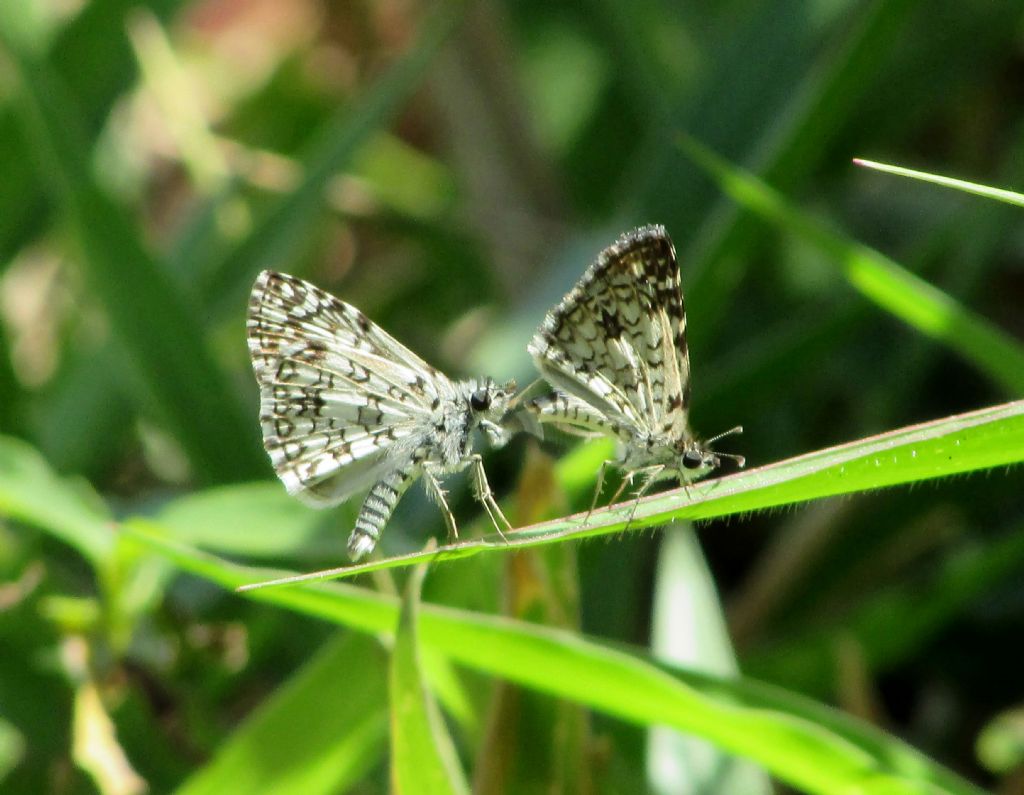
[480,400]
[692,459]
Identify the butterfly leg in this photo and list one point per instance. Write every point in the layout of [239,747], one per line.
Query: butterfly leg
[436,492]
[377,509]
[597,489]
[650,477]
[627,482]
[486,496]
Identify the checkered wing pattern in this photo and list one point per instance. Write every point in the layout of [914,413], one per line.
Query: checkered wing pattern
[617,341]
[336,391]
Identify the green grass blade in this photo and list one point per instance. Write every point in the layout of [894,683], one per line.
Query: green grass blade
[1007,196]
[983,439]
[321,732]
[423,757]
[153,323]
[802,743]
[879,278]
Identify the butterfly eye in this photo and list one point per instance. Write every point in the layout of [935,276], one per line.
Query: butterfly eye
[692,459]
[480,400]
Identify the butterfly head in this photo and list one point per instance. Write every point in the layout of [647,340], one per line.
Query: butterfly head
[696,459]
[489,402]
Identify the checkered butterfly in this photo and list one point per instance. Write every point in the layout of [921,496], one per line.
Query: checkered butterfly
[615,349]
[345,407]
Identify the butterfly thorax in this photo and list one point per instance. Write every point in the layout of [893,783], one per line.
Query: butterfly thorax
[468,406]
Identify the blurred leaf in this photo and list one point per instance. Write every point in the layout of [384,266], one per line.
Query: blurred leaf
[802,743]
[31,493]
[890,625]
[278,230]
[96,749]
[12,748]
[982,439]
[320,732]
[160,333]
[256,520]
[1000,745]
[688,630]
[423,758]
[880,279]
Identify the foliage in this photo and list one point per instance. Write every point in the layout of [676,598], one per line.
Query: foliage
[451,170]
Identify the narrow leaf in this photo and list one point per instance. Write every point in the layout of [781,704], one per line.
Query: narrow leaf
[423,757]
[1008,196]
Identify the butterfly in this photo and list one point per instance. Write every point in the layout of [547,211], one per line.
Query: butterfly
[615,349]
[345,407]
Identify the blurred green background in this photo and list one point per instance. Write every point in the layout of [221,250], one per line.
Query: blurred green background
[451,169]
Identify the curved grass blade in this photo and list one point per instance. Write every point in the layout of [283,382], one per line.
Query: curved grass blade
[32,493]
[983,439]
[805,744]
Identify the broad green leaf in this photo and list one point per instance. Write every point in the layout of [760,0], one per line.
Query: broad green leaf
[320,732]
[257,520]
[423,757]
[800,742]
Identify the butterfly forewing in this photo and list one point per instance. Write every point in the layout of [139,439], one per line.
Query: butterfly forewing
[618,338]
[615,347]
[335,389]
[345,407]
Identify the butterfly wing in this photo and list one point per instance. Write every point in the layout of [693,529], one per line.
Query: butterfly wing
[336,391]
[617,341]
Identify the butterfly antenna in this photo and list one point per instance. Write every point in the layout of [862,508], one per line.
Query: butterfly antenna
[740,460]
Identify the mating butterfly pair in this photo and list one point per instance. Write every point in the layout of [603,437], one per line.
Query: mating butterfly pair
[345,407]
